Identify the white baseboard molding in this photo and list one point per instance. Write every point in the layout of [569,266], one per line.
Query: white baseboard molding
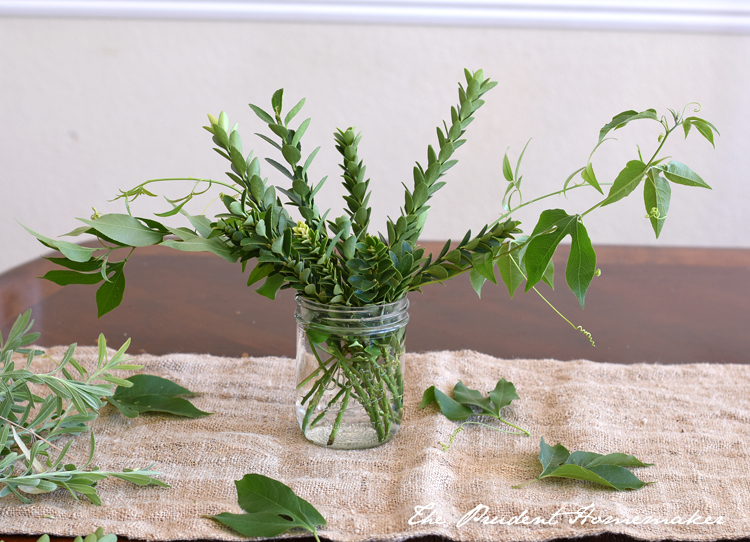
[723,16]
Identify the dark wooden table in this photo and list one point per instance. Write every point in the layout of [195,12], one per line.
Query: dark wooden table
[662,305]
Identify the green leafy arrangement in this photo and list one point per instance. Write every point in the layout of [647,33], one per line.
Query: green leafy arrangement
[272,508]
[31,424]
[608,470]
[338,262]
[149,393]
[468,402]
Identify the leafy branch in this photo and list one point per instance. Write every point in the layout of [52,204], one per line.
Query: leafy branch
[32,423]
[336,261]
[272,508]
[607,470]
[467,402]
[556,224]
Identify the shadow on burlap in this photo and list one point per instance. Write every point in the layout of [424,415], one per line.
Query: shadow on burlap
[691,421]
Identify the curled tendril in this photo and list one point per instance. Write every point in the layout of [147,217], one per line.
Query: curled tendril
[696,110]
[591,339]
[453,436]
[655,213]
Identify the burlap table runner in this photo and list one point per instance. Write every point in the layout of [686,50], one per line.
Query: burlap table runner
[692,421]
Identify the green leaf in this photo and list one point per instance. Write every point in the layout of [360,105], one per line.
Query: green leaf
[590,178]
[549,275]
[272,508]
[262,115]
[553,226]
[300,132]
[201,223]
[469,398]
[276,100]
[63,278]
[124,229]
[482,262]
[190,242]
[271,286]
[150,393]
[459,408]
[507,171]
[612,476]
[260,271]
[109,294]
[656,196]
[291,154]
[705,128]
[296,109]
[71,251]
[451,409]
[581,262]
[607,470]
[511,266]
[503,394]
[477,281]
[679,173]
[627,181]
[551,457]
[618,121]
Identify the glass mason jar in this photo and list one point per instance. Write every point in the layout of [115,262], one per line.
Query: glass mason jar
[350,372]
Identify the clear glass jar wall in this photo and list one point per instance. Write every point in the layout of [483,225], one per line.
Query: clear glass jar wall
[350,367]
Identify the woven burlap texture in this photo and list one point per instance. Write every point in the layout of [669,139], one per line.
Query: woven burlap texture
[691,421]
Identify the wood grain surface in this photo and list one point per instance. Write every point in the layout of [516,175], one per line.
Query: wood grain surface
[661,305]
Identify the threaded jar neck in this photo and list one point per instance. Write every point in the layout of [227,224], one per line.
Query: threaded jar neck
[375,318]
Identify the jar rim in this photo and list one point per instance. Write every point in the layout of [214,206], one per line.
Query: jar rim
[399,304]
[376,318]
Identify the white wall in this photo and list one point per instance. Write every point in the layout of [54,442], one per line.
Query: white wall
[92,105]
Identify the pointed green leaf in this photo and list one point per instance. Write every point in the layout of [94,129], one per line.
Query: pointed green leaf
[451,409]
[63,278]
[552,227]
[109,294]
[70,250]
[656,196]
[124,229]
[483,264]
[300,132]
[296,109]
[260,271]
[511,265]
[262,115]
[618,121]
[679,173]
[590,178]
[622,460]
[276,101]
[627,181]
[272,508]
[503,394]
[189,242]
[477,281]
[705,128]
[271,286]
[612,476]
[469,397]
[150,393]
[507,171]
[581,261]
[551,457]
